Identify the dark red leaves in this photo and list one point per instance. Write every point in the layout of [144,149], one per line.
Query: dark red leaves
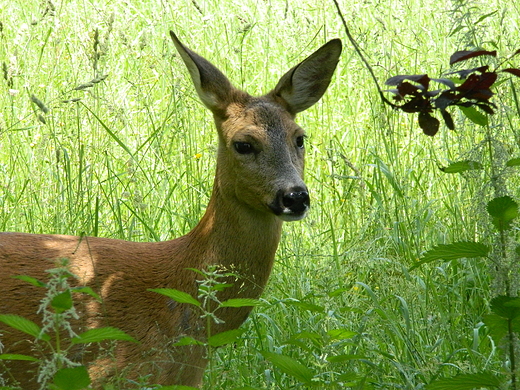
[428,123]
[421,79]
[513,71]
[473,91]
[466,55]
[477,86]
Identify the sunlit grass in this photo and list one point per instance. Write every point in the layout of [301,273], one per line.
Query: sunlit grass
[133,158]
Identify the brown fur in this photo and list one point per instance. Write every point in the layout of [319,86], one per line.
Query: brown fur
[240,231]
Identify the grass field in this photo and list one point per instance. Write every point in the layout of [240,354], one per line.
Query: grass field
[121,147]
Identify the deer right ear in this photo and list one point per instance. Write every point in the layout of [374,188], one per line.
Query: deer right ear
[213,88]
[305,84]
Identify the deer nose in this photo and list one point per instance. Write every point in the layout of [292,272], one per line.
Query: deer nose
[296,201]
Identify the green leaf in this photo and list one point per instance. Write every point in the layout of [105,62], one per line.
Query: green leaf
[344,358]
[506,314]
[176,295]
[455,251]
[87,290]
[514,162]
[240,302]
[187,341]
[102,334]
[502,210]
[62,302]
[175,387]
[341,334]
[468,382]
[13,356]
[224,338]
[507,307]
[462,166]
[474,115]
[497,325]
[290,366]
[31,280]
[306,335]
[24,325]
[73,378]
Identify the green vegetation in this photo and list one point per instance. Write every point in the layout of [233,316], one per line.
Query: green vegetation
[101,133]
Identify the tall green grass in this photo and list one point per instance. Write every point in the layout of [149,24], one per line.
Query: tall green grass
[132,157]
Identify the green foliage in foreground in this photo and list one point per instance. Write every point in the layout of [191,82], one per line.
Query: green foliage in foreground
[101,134]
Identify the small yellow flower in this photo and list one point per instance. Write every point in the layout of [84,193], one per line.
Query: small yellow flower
[198,155]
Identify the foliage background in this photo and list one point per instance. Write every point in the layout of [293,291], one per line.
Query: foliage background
[132,156]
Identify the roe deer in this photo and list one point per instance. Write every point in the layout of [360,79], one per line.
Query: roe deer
[258,184]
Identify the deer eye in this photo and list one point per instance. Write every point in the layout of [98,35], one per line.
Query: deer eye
[300,141]
[244,147]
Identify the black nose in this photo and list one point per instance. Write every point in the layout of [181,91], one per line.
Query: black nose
[296,201]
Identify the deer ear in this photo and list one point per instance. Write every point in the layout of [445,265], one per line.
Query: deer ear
[213,88]
[305,84]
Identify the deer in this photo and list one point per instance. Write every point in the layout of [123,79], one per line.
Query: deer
[258,185]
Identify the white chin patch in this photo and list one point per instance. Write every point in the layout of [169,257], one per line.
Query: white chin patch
[289,216]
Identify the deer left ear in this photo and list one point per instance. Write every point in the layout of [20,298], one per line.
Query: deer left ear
[305,84]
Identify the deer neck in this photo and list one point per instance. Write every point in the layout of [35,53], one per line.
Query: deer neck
[238,239]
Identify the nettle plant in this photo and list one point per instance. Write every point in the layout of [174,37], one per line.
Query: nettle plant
[56,370]
[470,91]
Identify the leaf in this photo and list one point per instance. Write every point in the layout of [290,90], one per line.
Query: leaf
[226,337]
[462,166]
[465,72]
[475,116]
[24,325]
[468,382]
[448,120]
[102,334]
[466,55]
[14,356]
[497,325]
[306,306]
[502,210]
[306,335]
[506,315]
[344,358]
[290,366]
[514,162]
[477,87]
[240,302]
[87,290]
[447,82]
[486,107]
[428,123]
[62,302]
[455,251]
[422,79]
[341,334]
[176,295]
[187,341]
[506,307]
[483,17]
[31,280]
[72,378]
[176,387]
[513,71]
